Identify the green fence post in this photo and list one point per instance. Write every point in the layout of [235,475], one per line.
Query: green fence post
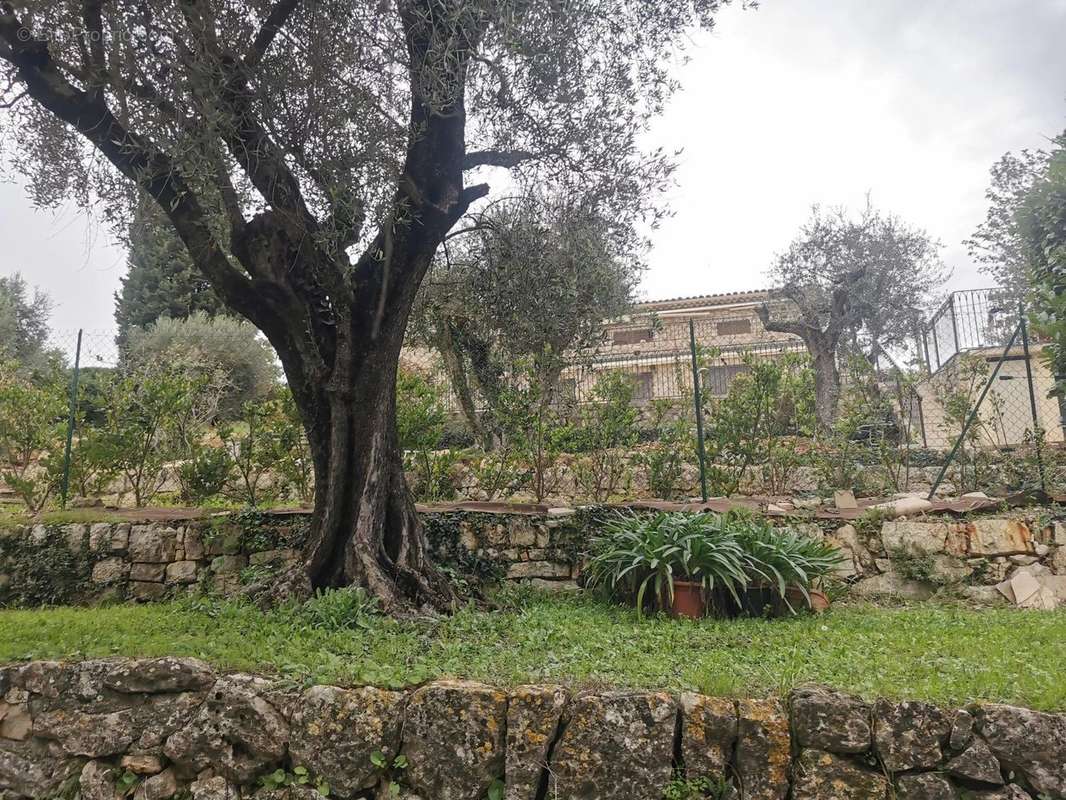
[973,413]
[698,402]
[71,419]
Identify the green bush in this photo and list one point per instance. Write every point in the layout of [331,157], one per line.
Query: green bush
[205,475]
[607,431]
[32,424]
[231,353]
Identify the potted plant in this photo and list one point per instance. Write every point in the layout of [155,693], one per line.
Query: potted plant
[783,566]
[673,561]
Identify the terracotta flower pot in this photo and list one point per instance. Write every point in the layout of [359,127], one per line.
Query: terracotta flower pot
[818,602]
[688,600]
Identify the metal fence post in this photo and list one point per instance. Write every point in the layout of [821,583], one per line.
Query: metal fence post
[1038,433]
[955,325]
[697,400]
[71,420]
[973,413]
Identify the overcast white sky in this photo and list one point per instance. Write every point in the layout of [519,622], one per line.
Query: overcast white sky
[796,103]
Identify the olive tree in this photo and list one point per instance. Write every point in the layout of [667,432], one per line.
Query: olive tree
[532,277]
[312,155]
[857,283]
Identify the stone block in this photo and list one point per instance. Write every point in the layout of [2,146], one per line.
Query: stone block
[763,752]
[615,746]
[110,570]
[76,536]
[193,542]
[823,719]
[825,776]
[914,538]
[533,717]
[538,569]
[153,544]
[181,572]
[925,786]
[1028,742]
[148,572]
[453,738]
[909,735]
[708,734]
[237,732]
[991,536]
[335,732]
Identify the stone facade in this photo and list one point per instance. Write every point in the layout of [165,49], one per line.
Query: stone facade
[165,728]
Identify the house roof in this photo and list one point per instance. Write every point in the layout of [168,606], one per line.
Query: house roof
[701,300]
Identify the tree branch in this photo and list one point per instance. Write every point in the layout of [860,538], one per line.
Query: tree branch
[275,21]
[133,155]
[794,327]
[496,158]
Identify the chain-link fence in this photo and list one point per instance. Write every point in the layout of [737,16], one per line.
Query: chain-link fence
[982,395]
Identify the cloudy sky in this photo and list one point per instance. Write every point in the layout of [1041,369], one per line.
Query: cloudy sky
[796,103]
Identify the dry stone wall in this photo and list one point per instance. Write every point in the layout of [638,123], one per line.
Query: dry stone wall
[989,558]
[83,562]
[175,728]
[992,558]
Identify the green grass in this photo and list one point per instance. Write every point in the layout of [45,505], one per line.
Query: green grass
[944,654]
[14,515]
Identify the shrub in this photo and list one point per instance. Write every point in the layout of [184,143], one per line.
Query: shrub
[664,460]
[231,353]
[533,428]
[32,422]
[205,475]
[254,448]
[747,429]
[420,422]
[151,421]
[608,429]
[295,466]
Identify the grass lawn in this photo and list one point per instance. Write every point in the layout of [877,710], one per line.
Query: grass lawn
[945,654]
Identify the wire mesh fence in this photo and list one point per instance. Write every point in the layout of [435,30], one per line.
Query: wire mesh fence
[979,394]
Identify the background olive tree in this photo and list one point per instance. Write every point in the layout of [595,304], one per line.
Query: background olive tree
[857,283]
[312,156]
[531,278]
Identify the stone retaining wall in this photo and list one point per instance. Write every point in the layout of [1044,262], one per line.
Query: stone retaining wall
[166,728]
[989,558]
[1007,559]
[85,562]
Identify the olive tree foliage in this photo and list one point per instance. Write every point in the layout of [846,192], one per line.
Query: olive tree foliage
[859,284]
[533,276]
[24,325]
[312,155]
[229,352]
[1041,226]
[999,244]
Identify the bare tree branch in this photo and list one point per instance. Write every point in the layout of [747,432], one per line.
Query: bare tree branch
[497,158]
[275,21]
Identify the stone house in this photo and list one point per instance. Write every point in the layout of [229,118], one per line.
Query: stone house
[653,344]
